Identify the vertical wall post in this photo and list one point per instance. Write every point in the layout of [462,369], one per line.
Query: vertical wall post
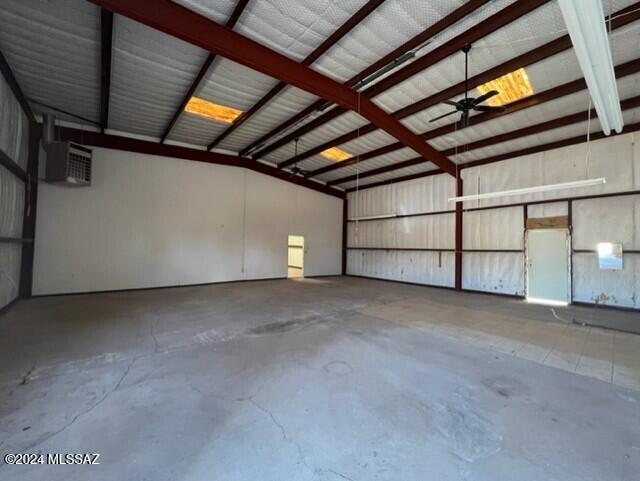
[345,215]
[458,254]
[29,216]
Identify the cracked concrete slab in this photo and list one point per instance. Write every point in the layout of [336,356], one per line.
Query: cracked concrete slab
[296,380]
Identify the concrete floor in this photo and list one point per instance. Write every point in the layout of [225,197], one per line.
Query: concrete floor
[300,380]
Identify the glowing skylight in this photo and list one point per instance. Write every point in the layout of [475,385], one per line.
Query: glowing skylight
[512,86]
[204,108]
[336,154]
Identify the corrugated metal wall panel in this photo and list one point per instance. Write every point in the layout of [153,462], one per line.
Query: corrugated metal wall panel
[429,194]
[424,232]
[559,165]
[616,288]
[548,210]
[9,272]
[614,219]
[494,229]
[11,204]
[376,201]
[431,232]
[499,272]
[432,268]
[14,134]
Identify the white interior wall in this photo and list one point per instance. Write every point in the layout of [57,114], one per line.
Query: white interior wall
[151,221]
[614,219]
[14,139]
[434,232]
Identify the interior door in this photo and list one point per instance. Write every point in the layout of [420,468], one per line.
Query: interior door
[548,265]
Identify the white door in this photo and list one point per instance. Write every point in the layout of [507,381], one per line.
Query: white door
[548,265]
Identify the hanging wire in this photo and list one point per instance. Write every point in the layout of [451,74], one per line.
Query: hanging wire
[357,226]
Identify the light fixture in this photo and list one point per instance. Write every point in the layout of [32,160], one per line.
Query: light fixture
[336,154]
[373,217]
[212,110]
[586,25]
[530,190]
[511,87]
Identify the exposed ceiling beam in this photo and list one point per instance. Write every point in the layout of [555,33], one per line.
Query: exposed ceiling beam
[623,17]
[480,30]
[411,44]
[7,73]
[623,70]
[506,156]
[129,144]
[106,44]
[329,42]
[180,22]
[231,22]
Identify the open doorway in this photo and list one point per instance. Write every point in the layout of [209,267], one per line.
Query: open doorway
[295,257]
[548,269]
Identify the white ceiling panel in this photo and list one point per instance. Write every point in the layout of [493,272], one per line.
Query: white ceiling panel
[53,48]
[287,103]
[195,129]
[369,164]
[378,34]
[415,169]
[338,126]
[217,10]
[151,72]
[295,29]
[630,116]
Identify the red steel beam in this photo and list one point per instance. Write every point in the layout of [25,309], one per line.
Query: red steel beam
[414,42]
[106,44]
[500,157]
[329,42]
[166,150]
[621,71]
[482,29]
[180,22]
[231,22]
[623,17]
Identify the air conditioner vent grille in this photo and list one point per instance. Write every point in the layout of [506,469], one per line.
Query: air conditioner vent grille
[79,168]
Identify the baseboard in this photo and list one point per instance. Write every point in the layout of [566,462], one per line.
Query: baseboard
[473,291]
[8,306]
[136,289]
[605,306]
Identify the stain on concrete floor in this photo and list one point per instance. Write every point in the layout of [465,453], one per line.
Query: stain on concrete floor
[249,381]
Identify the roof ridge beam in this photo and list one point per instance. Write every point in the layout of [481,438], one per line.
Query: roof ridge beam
[491,24]
[538,54]
[329,42]
[553,93]
[191,27]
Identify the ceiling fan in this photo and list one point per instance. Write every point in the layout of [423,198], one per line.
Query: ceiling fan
[295,170]
[467,104]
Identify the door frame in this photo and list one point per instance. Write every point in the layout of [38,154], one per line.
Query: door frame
[569,274]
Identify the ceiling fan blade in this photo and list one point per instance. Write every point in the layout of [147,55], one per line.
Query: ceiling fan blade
[450,102]
[489,108]
[443,116]
[482,98]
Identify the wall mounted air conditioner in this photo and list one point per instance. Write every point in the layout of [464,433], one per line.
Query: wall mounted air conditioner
[68,164]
